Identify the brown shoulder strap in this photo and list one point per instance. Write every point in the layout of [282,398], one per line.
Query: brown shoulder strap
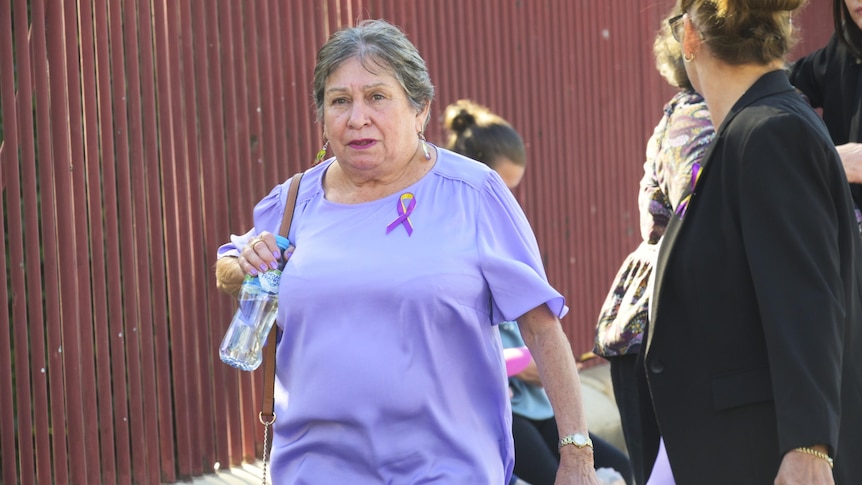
[267,416]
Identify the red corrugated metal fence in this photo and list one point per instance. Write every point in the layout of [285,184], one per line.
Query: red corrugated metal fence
[137,135]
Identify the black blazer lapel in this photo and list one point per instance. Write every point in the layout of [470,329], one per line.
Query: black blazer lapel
[667,243]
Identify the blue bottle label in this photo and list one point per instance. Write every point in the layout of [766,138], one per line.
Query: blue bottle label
[269,281]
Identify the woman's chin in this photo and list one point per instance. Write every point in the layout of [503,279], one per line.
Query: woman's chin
[361,161]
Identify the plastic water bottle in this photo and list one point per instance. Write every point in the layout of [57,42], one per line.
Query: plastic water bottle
[242,346]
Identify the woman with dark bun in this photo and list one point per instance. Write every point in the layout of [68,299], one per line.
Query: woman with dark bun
[476,132]
[752,350]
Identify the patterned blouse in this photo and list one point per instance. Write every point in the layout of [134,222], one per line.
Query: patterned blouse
[678,142]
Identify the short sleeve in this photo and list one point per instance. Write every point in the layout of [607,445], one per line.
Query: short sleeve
[509,256]
[268,214]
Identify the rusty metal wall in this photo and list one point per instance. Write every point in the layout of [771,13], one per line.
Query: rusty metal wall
[137,134]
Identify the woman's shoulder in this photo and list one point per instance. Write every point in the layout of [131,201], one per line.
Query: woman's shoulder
[833,55]
[273,203]
[688,106]
[311,180]
[686,97]
[783,119]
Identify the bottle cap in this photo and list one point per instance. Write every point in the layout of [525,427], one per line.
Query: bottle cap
[282,241]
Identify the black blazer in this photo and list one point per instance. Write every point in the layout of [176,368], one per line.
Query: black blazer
[755,340]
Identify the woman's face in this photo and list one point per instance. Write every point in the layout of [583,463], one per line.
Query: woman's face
[509,171]
[368,119]
[855,9]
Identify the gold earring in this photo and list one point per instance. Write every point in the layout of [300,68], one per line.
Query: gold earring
[321,154]
[424,146]
[688,57]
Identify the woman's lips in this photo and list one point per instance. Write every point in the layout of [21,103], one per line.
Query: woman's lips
[361,144]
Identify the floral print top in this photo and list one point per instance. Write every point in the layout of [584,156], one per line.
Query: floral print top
[678,142]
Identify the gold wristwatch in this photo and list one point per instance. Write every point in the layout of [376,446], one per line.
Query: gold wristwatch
[577,439]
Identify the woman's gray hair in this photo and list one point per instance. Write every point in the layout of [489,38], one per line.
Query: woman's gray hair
[378,45]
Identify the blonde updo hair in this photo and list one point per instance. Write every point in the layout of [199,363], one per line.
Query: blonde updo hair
[744,31]
[478,133]
[668,55]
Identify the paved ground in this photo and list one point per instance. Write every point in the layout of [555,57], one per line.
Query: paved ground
[248,474]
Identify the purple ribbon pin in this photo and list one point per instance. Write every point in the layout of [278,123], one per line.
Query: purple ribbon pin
[695,176]
[406,203]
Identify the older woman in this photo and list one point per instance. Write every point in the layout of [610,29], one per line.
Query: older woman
[752,351]
[478,133]
[407,256]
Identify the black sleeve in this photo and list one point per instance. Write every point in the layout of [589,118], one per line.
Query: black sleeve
[808,74]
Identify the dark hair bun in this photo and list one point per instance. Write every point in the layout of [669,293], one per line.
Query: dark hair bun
[462,115]
[461,121]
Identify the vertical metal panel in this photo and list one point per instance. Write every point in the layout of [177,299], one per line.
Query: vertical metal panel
[113,392]
[254,183]
[124,357]
[225,169]
[49,231]
[194,293]
[12,371]
[188,224]
[65,306]
[133,245]
[29,266]
[213,180]
[241,424]
[203,102]
[93,208]
[176,225]
[78,316]
[154,330]
[175,435]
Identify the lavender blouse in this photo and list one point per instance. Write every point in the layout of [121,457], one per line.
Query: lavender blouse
[390,353]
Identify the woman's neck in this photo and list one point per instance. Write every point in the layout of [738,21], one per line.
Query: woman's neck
[723,84]
[344,184]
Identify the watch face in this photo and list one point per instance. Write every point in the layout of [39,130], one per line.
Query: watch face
[580,440]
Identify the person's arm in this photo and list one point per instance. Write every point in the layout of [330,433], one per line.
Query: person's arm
[851,158]
[654,208]
[809,75]
[243,255]
[550,348]
[530,374]
[790,231]
[799,468]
